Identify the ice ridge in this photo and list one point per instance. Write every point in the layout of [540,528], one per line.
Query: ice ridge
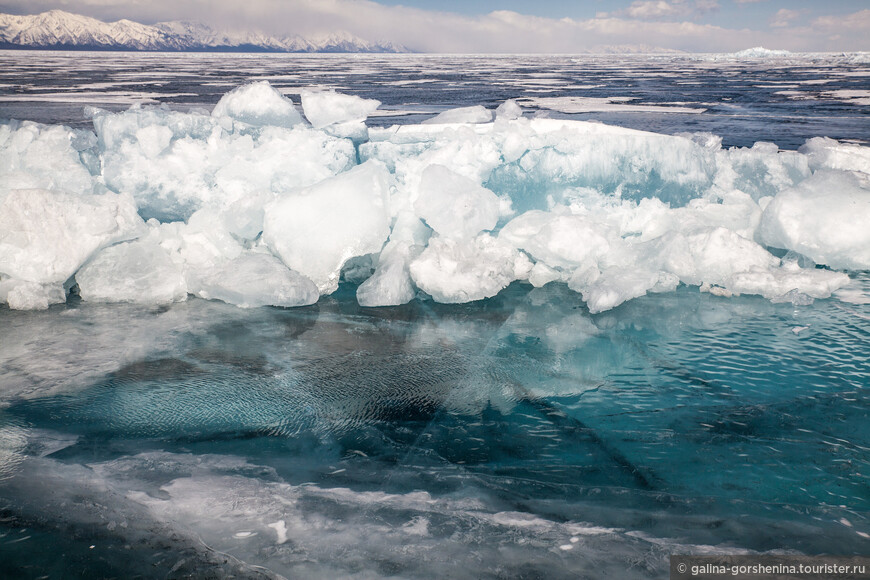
[269,202]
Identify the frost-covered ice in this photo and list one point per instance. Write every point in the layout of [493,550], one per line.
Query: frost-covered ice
[253,205]
[257,104]
[824,153]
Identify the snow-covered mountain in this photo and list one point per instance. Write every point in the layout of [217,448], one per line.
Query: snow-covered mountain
[62,30]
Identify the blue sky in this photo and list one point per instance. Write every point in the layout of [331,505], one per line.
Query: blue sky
[724,13]
[504,26]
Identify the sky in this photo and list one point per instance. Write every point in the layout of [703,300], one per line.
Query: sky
[514,26]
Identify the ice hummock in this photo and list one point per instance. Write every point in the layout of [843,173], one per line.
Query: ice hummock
[453,205]
[461,115]
[257,104]
[176,163]
[761,52]
[46,236]
[317,230]
[824,218]
[255,206]
[324,108]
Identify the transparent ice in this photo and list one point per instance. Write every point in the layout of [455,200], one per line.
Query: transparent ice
[277,336]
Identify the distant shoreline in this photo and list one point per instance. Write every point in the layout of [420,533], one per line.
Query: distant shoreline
[260,50]
[244,49]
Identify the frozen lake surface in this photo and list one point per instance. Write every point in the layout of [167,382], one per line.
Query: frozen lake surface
[743,100]
[653,351]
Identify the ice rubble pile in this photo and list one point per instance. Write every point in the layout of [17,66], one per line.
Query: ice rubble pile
[255,205]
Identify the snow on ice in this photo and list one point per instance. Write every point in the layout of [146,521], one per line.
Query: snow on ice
[258,204]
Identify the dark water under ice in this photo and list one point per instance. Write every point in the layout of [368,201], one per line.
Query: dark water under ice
[519,437]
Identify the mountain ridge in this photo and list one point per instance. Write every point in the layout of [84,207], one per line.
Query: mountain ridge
[57,29]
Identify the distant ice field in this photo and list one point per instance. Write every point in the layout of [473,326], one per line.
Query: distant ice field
[783,99]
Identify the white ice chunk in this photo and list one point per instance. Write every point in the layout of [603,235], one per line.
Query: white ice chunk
[113,130]
[711,256]
[453,205]
[324,108]
[258,104]
[509,110]
[244,217]
[761,52]
[278,160]
[825,153]
[45,236]
[20,295]
[154,139]
[534,160]
[413,148]
[280,530]
[206,240]
[257,279]
[391,284]
[617,285]
[627,163]
[760,170]
[705,139]
[777,283]
[316,230]
[141,272]
[542,274]
[201,258]
[455,272]
[34,156]
[826,218]
[205,164]
[559,241]
[356,131]
[475,114]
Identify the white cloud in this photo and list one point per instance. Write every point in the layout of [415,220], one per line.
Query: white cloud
[784,17]
[706,6]
[651,9]
[667,9]
[857,22]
